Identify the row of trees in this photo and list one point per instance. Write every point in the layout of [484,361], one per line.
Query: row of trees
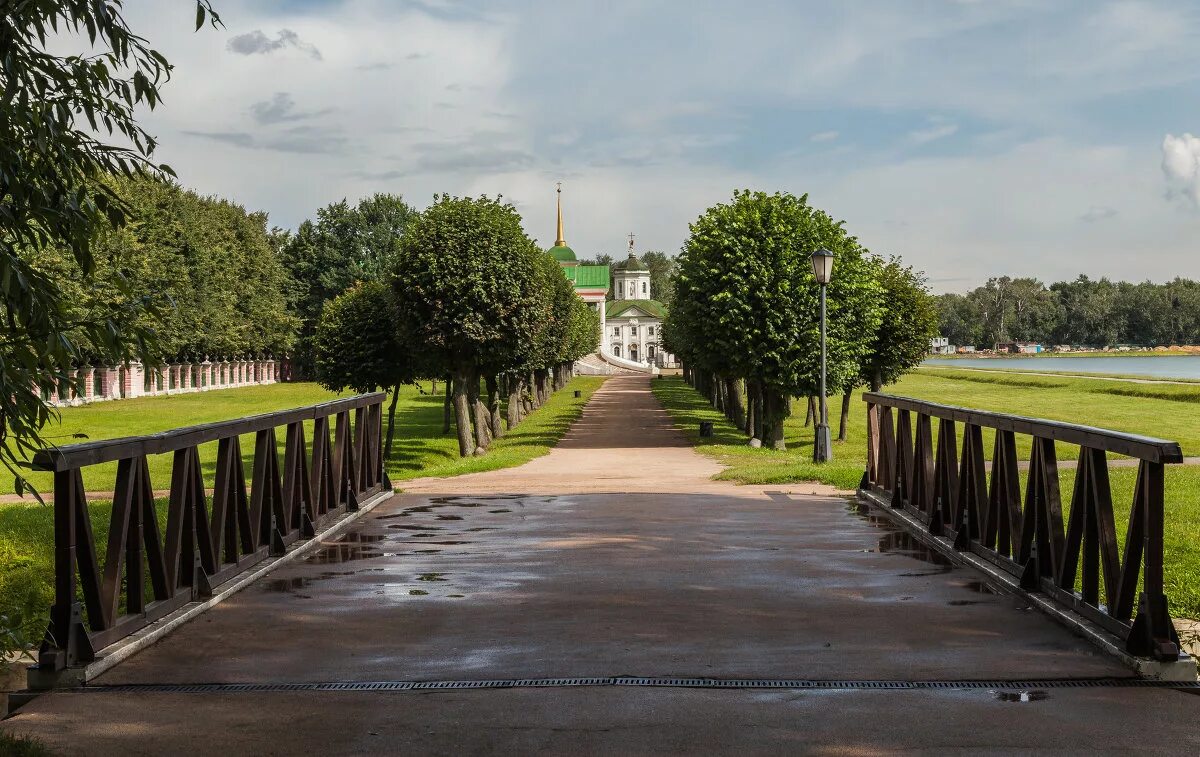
[1083,312]
[199,273]
[469,297]
[745,317]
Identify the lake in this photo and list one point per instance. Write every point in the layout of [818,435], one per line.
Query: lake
[1162,367]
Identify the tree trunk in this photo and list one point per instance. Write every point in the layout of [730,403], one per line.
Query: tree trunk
[433,389]
[541,385]
[845,417]
[734,408]
[462,412]
[447,406]
[533,390]
[493,404]
[877,381]
[760,412]
[387,445]
[483,437]
[813,412]
[751,410]
[776,413]
[516,402]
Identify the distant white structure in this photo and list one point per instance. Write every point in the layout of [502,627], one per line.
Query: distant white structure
[940,345]
[630,324]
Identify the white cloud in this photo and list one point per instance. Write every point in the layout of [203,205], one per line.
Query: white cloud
[932,133]
[1181,165]
[824,136]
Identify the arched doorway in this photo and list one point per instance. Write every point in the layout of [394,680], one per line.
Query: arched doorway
[616,350]
[650,353]
[633,352]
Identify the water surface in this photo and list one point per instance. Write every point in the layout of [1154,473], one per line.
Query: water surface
[1164,366]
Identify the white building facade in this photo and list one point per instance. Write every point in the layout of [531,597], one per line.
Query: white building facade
[633,318]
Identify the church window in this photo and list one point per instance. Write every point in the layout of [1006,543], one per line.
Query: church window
[644,285]
[617,350]
[616,330]
[649,331]
[621,289]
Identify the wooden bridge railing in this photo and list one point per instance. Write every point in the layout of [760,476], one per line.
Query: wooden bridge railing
[981,509]
[199,549]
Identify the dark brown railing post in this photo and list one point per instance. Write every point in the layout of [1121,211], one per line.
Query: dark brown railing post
[1023,532]
[66,642]
[197,551]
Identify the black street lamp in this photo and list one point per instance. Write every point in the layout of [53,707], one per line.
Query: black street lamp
[822,263]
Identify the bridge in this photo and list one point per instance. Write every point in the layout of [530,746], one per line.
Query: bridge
[612,597]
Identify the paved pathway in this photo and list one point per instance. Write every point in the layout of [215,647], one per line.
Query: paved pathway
[616,555]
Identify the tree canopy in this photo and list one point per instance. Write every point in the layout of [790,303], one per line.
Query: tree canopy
[745,316]
[346,244]
[67,123]
[908,321]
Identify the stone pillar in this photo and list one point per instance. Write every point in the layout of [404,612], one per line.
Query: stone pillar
[135,380]
[270,372]
[164,375]
[112,382]
[89,383]
[603,328]
[206,370]
[185,377]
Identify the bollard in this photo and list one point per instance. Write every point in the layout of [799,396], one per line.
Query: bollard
[578,393]
[706,428]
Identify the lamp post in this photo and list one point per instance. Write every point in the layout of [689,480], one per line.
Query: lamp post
[822,263]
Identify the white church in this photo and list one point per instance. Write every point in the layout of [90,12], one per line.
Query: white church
[631,322]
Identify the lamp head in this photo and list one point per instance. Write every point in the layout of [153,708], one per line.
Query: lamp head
[822,263]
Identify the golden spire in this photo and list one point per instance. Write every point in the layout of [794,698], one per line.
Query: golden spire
[560,242]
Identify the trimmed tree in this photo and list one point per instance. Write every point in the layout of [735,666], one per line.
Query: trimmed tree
[357,345]
[909,320]
[746,304]
[469,291]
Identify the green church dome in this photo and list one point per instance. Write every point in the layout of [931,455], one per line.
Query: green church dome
[631,265]
[562,253]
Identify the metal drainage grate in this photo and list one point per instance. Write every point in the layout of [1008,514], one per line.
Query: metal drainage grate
[637,681]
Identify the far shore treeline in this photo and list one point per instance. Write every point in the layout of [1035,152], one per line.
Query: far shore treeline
[1085,312]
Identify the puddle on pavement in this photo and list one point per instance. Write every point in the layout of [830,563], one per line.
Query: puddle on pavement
[1020,696]
[352,546]
[296,583]
[406,527]
[904,543]
[501,510]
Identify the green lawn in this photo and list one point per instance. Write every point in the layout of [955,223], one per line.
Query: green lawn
[1171,412]
[419,449]
[148,415]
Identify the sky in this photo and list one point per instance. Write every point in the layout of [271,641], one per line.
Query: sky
[973,138]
